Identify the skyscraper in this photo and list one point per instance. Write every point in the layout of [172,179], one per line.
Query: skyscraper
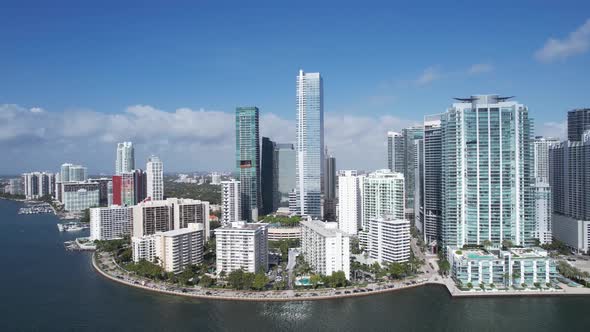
[541,156]
[395,152]
[285,172]
[125,158]
[350,197]
[569,177]
[248,161]
[268,176]
[487,175]
[309,144]
[578,121]
[330,188]
[155,178]
[409,136]
[432,218]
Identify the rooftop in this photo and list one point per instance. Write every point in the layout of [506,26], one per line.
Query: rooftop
[326,229]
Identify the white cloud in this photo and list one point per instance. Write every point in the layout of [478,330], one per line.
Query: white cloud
[553,129]
[429,75]
[37,110]
[480,68]
[576,43]
[185,139]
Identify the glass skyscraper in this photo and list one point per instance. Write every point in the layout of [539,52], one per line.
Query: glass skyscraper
[268,176]
[578,121]
[487,173]
[409,136]
[248,161]
[309,145]
[395,152]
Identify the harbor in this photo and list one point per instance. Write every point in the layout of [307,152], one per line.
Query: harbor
[72,226]
[36,209]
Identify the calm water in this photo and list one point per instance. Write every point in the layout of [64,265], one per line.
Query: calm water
[45,288]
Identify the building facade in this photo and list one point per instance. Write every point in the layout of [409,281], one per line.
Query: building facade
[389,240]
[309,145]
[242,245]
[150,217]
[325,248]
[268,176]
[350,199]
[79,196]
[155,178]
[432,178]
[125,159]
[231,210]
[383,195]
[487,175]
[516,266]
[329,210]
[395,152]
[578,122]
[410,135]
[110,223]
[248,161]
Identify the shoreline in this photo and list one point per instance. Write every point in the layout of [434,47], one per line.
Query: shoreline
[452,291]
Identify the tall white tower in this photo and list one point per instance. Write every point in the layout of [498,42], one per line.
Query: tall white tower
[309,145]
[230,201]
[125,158]
[349,201]
[155,178]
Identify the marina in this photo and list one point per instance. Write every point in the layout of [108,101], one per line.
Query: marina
[72,226]
[36,209]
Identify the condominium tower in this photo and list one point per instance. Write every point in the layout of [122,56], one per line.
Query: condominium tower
[285,172]
[309,145]
[395,152]
[241,245]
[578,121]
[155,178]
[125,158]
[230,201]
[350,186]
[487,173]
[248,161]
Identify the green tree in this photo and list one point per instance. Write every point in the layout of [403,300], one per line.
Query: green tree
[206,281]
[396,270]
[315,280]
[337,279]
[260,281]
[487,243]
[444,267]
[236,279]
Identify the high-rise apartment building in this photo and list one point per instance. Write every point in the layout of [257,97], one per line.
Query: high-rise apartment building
[268,176]
[242,245]
[309,145]
[79,196]
[173,250]
[432,178]
[324,247]
[410,135]
[541,156]
[155,178]
[330,188]
[578,121]
[350,200]
[383,195]
[487,172]
[230,201]
[248,161]
[389,240]
[38,184]
[109,223]
[125,161]
[419,185]
[569,177]
[395,152]
[285,172]
[150,217]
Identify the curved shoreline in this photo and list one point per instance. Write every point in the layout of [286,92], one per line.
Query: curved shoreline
[453,293]
[255,299]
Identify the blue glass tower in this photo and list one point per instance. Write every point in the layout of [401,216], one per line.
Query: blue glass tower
[248,161]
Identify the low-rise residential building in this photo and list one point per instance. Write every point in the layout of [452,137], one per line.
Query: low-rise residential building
[241,245]
[277,232]
[515,266]
[109,223]
[325,247]
[173,250]
[389,240]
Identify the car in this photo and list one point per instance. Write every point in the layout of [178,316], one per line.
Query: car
[346,292]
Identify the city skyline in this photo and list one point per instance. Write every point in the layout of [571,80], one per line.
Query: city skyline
[47,115]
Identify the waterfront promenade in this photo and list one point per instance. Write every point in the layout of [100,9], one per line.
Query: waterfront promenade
[113,272]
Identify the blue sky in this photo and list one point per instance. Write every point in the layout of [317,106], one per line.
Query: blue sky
[384,66]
